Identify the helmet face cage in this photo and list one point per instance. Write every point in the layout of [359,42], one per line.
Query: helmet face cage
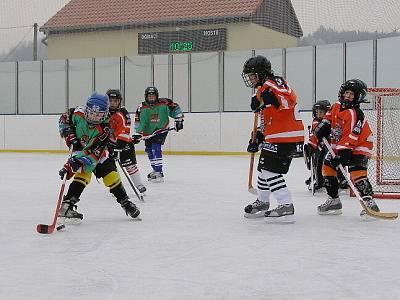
[255,71]
[97,108]
[115,98]
[322,105]
[358,87]
[151,90]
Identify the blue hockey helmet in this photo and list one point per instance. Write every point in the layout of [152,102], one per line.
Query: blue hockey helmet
[97,107]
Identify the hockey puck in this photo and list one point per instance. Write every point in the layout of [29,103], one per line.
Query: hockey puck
[62,226]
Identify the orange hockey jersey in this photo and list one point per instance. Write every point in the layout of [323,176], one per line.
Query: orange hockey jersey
[120,122]
[349,132]
[280,121]
[312,139]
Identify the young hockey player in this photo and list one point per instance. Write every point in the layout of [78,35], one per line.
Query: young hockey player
[352,142]
[313,151]
[280,135]
[316,152]
[120,123]
[152,119]
[87,131]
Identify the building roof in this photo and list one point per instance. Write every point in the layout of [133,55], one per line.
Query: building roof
[80,15]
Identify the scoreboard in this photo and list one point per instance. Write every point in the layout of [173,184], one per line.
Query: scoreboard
[200,40]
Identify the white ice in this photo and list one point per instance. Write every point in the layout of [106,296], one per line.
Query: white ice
[193,242]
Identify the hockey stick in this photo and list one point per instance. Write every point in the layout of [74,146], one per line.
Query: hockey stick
[48,229]
[157,132]
[370,212]
[312,165]
[138,195]
[250,187]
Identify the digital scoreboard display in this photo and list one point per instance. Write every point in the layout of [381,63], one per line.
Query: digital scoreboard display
[200,40]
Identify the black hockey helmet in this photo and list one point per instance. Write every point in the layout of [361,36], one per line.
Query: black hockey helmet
[358,87]
[151,90]
[114,94]
[325,105]
[258,65]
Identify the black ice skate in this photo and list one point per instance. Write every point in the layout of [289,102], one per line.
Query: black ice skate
[256,209]
[370,203]
[141,188]
[332,206]
[130,208]
[156,177]
[343,185]
[68,211]
[283,213]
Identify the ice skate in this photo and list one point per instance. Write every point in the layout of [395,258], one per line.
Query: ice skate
[343,185]
[256,209]
[150,175]
[141,188]
[284,213]
[68,212]
[130,209]
[156,177]
[332,206]
[370,203]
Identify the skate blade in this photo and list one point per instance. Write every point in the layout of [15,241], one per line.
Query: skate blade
[288,219]
[156,180]
[68,221]
[256,215]
[330,212]
[367,218]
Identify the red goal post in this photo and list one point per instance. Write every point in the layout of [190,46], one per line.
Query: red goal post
[383,115]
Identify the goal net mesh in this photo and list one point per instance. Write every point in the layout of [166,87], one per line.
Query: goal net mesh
[383,115]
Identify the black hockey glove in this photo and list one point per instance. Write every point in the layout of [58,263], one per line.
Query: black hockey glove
[136,138]
[70,167]
[256,105]
[178,124]
[342,158]
[254,146]
[323,129]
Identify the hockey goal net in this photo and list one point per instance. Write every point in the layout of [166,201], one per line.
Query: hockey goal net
[383,115]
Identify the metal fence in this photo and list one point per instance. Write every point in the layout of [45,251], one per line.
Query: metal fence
[199,82]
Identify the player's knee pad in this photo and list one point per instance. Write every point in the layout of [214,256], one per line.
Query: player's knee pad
[83,178]
[364,187]
[332,186]
[112,179]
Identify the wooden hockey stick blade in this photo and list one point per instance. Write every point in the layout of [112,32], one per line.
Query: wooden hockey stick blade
[378,214]
[253,191]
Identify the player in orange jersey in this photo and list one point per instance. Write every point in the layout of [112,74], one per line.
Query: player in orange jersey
[280,136]
[352,141]
[120,122]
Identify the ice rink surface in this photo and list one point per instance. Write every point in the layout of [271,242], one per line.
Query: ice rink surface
[193,242]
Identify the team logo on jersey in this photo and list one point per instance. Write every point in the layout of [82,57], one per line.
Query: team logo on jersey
[84,140]
[154,118]
[337,133]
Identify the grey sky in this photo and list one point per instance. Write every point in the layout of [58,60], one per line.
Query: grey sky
[371,15]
